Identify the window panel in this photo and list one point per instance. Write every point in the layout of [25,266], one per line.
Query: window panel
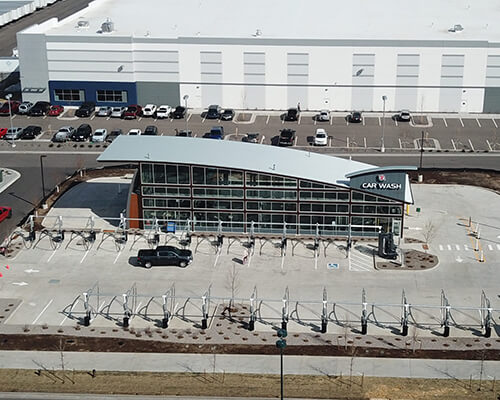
[146,173]
[159,173]
[198,176]
[211,176]
[183,175]
[171,173]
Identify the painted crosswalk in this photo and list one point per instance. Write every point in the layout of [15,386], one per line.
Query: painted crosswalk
[465,247]
[360,262]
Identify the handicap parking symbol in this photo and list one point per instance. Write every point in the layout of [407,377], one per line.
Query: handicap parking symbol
[333,266]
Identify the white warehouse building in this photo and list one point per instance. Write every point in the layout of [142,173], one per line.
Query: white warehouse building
[427,56]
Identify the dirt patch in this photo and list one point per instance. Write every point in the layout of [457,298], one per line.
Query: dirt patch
[345,386]
[483,178]
[414,260]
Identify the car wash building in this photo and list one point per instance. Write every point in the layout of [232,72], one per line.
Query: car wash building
[241,187]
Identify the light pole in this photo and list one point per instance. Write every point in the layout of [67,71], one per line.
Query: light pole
[382,148]
[8,97]
[281,344]
[43,180]
[185,98]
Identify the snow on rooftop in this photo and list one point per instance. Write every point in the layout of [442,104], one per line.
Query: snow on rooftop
[291,19]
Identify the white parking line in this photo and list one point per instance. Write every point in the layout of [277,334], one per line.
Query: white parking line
[329,142]
[441,247]
[466,248]
[203,120]
[396,121]
[400,144]
[331,120]
[471,145]
[445,123]
[494,123]
[490,247]
[461,122]
[489,145]
[315,121]
[363,118]
[300,116]
[249,260]
[13,312]
[44,117]
[52,255]
[138,308]
[44,309]
[478,123]
[217,257]
[262,140]
[453,144]
[116,258]
[267,120]
[107,119]
[189,117]
[85,255]
[295,141]
[457,247]
[379,122]
[498,246]
[316,262]
[282,262]
[364,139]
[93,116]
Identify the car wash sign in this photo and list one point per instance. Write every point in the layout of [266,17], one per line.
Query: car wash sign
[392,184]
[381,183]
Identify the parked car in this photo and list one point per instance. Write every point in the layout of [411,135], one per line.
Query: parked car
[227,114]
[82,134]
[217,132]
[117,112]
[403,116]
[163,111]
[113,135]
[150,130]
[252,137]
[287,137]
[179,112]
[31,132]
[323,115]
[134,132]
[165,255]
[24,107]
[355,116]
[14,107]
[86,109]
[13,133]
[292,114]
[99,135]
[149,110]
[184,133]
[40,108]
[5,212]
[132,112]
[321,137]
[3,132]
[63,134]
[104,111]
[213,112]
[55,111]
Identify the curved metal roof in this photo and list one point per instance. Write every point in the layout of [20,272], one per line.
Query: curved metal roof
[382,169]
[231,154]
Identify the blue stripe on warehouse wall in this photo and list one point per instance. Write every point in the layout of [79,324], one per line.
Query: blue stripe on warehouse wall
[90,91]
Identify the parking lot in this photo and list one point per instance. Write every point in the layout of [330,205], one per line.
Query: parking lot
[448,133]
[50,278]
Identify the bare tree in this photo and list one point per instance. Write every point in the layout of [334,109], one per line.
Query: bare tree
[429,231]
[233,283]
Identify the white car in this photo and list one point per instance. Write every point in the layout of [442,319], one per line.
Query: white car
[404,116]
[117,112]
[163,112]
[100,135]
[104,111]
[324,115]
[321,138]
[149,110]
[134,132]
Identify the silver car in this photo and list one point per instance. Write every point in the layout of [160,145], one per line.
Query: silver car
[104,111]
[13,133]
[63,134]
[25,107]
[117,112]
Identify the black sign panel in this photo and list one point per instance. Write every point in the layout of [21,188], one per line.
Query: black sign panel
[390,184]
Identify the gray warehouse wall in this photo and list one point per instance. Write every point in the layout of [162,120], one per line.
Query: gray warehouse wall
[491,100]
[158,93]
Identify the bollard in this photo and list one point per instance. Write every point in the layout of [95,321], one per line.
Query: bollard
[125,322]
[364,327]
[404,331]
[324,324]
[164,323]
[92,236]
[481,256]
[86,320]
[31,236]
[157,238]
[283,325]
[220,240]
[251,325]
[446,332]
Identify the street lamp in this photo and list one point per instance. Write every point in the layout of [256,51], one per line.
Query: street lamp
[382,148]
[8,97]
[43,180]
[281,344]
[185,98]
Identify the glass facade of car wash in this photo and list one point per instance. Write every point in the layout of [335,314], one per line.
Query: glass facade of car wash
[235,200]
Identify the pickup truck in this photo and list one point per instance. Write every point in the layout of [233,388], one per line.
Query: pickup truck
[164,255]
[217,132]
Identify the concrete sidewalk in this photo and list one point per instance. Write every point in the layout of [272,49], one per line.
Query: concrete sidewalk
[252,364]
[9,177]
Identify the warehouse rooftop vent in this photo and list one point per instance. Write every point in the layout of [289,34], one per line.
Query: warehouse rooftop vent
[107,26]
[82,24]
[456,28]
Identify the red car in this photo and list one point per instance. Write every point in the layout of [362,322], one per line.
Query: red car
[14,106]
[3,131]
[132,112]
[5,212]
[56,111]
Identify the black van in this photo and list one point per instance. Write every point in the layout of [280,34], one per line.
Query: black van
[82,134]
